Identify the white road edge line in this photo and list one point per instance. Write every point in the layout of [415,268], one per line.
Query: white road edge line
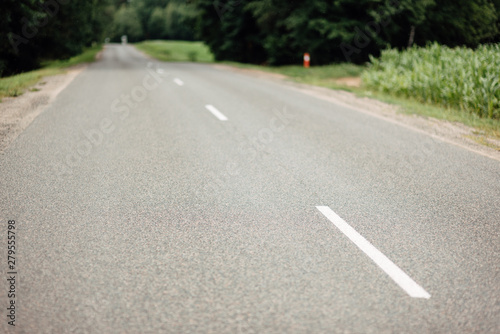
[216,112]
[394,272]
[179,82]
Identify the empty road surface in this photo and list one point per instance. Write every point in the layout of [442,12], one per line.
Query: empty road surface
[159,197]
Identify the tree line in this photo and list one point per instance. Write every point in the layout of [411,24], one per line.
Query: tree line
[152,19]
[272,32]
[33,30]
[278,32]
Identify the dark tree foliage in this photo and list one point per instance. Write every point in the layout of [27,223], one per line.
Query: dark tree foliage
[460,22]
[77,24]
[16,53]
[339,30]
[255,31]
[127,22]
[153,19]
[329,31]
[144,9]
[496,38]
[33,30]
[230,30]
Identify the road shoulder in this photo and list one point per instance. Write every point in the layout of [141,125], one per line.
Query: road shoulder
[17,113]
[451,132]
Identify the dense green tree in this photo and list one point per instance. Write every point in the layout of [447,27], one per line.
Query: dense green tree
[144,9]
[157,25]
[158,19]
[401,20]
[127,22]
[329,30]
[16,49]
[76,24]
[180,20]
[340,30]
[230,30]
[32,30]
[496,4]
[460,22]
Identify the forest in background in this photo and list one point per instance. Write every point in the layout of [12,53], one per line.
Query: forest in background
[274,32]
[32,31]
[278,32]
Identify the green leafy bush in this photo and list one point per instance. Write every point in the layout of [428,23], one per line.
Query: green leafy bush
[459,78]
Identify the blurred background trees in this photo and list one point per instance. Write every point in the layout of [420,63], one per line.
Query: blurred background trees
[272,32]
[34,30]
[341,30]
[152,19]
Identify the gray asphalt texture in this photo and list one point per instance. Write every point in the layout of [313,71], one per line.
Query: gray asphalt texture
[168,220]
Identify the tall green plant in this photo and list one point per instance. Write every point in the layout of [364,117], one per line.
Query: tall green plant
[459,78]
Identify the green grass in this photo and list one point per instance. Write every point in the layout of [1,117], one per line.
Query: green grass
[176,51]
[17,84]
[325,76]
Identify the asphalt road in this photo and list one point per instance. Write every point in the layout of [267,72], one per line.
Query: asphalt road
[181,198]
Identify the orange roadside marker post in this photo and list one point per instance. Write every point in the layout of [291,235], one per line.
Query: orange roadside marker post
[307,60]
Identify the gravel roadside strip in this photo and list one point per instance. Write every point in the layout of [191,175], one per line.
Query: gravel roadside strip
[452,132]
[17,113]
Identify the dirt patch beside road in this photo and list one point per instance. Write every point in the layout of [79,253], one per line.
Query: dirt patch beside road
[349,81]
[252,72]
[452,132]
[17,113]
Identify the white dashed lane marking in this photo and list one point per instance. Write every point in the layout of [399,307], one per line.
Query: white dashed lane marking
[216,112]
[394,272]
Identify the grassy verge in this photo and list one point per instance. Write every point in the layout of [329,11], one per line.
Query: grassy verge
[325,76]
[177,51]
[17,84]
[484,127]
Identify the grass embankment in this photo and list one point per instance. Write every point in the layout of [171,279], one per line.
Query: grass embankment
[336,76]
[457,85]
[17,84]
[177,51]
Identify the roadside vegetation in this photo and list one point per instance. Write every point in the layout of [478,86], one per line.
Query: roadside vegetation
[32,31]
[177,50]
[460,78]
[337,76]
[151,19]
[279,32]
[17,84]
